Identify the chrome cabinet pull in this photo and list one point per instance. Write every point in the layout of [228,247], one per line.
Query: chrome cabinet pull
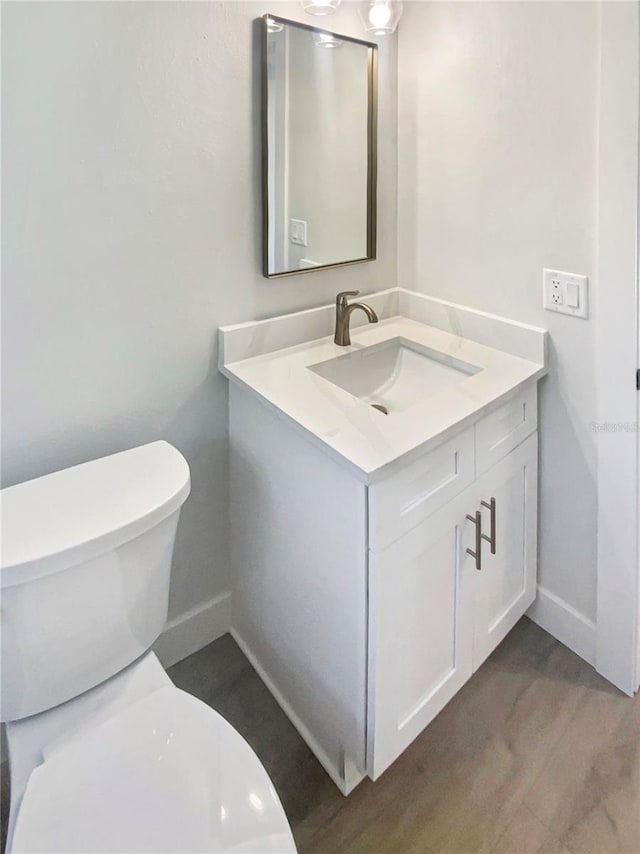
[491,505]
[477,555]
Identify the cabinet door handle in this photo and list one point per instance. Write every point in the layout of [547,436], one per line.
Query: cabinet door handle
[491,505]
[477,555]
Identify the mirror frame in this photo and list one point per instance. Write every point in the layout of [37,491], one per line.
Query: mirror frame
[372,148]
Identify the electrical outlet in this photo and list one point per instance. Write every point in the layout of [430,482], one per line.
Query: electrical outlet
[298,232]
[566,293]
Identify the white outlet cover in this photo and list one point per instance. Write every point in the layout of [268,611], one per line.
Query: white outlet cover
[298,232]
[561,291]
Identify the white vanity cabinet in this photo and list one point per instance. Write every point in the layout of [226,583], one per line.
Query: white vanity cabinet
[358,603]
[354,593]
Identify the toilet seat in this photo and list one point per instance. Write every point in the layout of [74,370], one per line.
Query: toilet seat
[166,774]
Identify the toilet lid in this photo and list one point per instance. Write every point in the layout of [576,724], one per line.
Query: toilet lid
[167,774]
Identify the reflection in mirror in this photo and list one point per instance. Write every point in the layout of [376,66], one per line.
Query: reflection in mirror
[319,116]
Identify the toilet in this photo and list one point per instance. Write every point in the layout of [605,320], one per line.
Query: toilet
[106,754]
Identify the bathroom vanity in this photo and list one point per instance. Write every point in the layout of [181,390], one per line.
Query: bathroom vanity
[379,558]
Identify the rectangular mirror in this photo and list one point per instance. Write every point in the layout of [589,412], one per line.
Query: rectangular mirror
[319,148]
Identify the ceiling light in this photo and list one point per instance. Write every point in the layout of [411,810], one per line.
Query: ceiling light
[274,26]
[327,40]
[320,7]
[380,17]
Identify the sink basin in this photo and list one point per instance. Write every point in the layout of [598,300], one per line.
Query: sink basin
[394,375]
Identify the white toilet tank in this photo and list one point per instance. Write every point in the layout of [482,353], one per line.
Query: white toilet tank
[85,561]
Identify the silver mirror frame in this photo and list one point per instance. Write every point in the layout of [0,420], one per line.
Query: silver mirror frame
[372,148]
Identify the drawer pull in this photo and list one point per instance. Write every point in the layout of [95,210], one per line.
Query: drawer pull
[491,505]
[477,555]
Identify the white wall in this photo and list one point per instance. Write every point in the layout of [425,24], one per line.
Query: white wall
[497,117]
[132,230]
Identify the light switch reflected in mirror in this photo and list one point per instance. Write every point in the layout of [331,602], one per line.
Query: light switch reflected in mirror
[319,139]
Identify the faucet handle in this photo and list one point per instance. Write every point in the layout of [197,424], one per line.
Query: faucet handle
[341,299]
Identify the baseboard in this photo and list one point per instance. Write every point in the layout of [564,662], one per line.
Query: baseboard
[354,777]
[567,625]
[196,628]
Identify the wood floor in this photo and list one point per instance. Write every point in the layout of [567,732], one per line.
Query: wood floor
[536,754]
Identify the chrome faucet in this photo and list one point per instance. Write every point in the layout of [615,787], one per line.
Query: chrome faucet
[344,310]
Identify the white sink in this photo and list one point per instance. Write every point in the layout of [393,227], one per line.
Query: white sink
[395,374]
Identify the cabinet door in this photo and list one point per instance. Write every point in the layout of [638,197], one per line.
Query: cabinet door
[420,629]
[506,584]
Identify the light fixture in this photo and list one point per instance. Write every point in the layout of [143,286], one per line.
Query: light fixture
[380,16]
[274,26]
[320,7]
[327,40]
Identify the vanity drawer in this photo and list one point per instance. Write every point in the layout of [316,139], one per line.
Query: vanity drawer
[403,500]
[505,428]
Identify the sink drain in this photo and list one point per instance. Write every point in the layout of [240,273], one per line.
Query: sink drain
[380,408]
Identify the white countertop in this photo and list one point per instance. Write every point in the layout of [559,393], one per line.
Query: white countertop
[354,433]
